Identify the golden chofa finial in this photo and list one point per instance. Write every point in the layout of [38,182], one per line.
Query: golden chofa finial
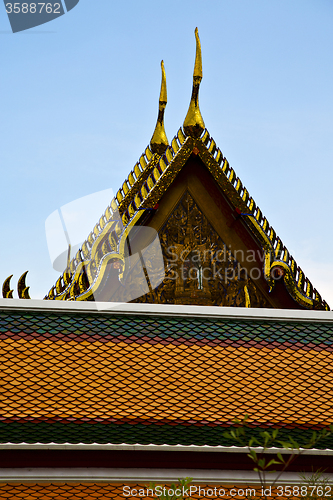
[159,141]
[193,123]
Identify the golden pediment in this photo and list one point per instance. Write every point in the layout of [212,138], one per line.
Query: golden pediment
[151,193]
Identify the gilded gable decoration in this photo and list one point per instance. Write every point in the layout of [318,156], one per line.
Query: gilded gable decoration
[200,268]
[142,200]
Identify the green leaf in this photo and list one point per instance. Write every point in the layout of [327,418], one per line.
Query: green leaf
[253,441]
[255,460]
[286,444]
[272,462]
[294,444]
[266,437]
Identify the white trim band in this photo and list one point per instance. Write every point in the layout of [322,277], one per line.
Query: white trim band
[144,476]
[166,310]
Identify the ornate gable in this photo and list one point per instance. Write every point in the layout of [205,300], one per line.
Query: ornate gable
[189,184]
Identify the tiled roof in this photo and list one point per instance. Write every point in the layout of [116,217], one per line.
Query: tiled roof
[99,491]
[158,379]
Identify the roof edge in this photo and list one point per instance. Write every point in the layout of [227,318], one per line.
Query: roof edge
[154,447]
[238,313]
[143,475]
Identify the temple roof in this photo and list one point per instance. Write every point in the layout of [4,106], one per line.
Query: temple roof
[159,376]
[150,179]
[156,375]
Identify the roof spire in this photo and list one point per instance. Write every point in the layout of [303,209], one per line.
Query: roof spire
[159,141]
[193,123]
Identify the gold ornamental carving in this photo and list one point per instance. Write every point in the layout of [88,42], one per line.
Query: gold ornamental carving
[200,269]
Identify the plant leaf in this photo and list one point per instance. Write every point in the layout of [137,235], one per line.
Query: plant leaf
[272,462]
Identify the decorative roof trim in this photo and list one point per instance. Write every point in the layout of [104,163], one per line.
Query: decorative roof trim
[236,313]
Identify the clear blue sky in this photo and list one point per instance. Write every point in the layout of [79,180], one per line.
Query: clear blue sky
[79,105]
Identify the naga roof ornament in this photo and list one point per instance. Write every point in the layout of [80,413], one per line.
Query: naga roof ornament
[193,123]
[159,141]
[22,288]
